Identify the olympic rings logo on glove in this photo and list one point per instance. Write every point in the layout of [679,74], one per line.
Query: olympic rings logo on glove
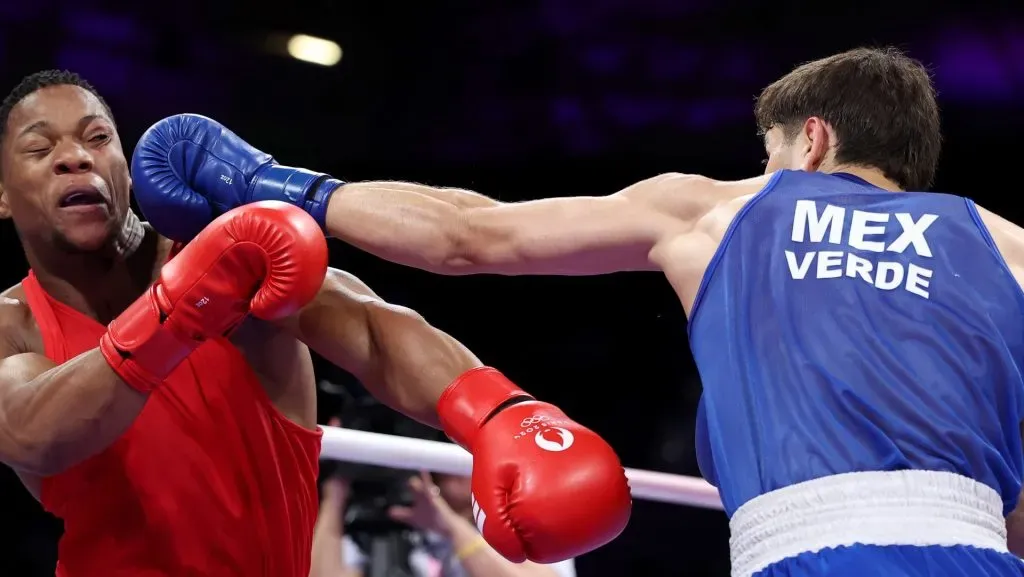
[535,420]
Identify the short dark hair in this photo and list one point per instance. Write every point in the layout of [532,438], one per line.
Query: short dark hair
[40,80]
[880,102]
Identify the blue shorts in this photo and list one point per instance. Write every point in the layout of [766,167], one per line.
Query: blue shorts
[898,561]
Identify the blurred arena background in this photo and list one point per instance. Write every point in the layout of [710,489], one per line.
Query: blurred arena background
[521,100]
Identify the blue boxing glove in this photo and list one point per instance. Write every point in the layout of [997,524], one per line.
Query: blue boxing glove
[188,169]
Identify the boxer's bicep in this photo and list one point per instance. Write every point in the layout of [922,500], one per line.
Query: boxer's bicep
[54,416]
[20,368]
[581,235]
[17,368]
[335,323]
[400,358]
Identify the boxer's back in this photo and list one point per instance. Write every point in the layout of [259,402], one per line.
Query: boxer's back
[843,328]
[210,479]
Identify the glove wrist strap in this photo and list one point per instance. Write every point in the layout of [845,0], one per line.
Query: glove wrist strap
[308,190]
[140,345]
[471,399]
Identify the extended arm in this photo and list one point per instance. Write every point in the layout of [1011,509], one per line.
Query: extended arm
[52,417]
[451,231]
[400,358]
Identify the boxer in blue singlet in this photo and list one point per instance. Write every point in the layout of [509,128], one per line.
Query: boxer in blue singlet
[860,346]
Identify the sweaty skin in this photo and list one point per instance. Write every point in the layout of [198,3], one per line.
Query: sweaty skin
[99,260]
[671,223]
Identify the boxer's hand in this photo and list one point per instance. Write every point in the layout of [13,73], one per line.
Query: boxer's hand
[544,487]
[266,258]
[188,169]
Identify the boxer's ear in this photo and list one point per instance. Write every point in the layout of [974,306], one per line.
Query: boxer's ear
[5,209]
[817,141]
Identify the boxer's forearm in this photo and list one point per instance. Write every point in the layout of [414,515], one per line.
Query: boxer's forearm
[410,224]
[458,197]
[416,362]
[456,232]
[400,358]
[53,417]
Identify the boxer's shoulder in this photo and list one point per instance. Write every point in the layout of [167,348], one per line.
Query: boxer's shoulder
[19,332]
[694,195]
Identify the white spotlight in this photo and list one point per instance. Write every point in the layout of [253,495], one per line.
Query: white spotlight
[314,50]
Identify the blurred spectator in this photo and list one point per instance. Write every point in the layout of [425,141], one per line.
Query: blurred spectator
[451,545]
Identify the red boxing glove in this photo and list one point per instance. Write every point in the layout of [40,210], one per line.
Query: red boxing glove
[268,258]
[544,487]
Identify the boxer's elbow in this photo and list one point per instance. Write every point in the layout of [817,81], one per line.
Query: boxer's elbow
[45,459]
[1015,531]
[35,447]
[30,450]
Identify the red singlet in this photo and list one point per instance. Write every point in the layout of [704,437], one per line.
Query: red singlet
[210,480]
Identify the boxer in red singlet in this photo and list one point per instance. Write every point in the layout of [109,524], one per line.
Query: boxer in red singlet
[147,493]
[216,476]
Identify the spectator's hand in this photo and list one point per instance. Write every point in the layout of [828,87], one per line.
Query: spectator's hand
[429,512]
[336,490]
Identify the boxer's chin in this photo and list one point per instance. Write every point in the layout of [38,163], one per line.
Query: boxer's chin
[86,237]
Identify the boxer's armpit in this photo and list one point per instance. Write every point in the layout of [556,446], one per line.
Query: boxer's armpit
[53,417]
[284,368]
[400,358]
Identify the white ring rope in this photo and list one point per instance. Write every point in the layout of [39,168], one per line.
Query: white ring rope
[414,454]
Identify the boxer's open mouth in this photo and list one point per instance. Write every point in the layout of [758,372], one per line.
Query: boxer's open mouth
[83,196]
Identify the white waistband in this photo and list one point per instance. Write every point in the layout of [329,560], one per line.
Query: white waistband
[917,508]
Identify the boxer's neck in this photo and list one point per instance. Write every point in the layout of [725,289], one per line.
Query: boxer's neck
[872,176]
[103,283]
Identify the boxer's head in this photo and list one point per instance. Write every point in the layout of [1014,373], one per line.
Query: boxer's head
[63,176]
[869,108]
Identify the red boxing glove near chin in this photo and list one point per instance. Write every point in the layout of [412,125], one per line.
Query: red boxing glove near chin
[545,488]
[268,258]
